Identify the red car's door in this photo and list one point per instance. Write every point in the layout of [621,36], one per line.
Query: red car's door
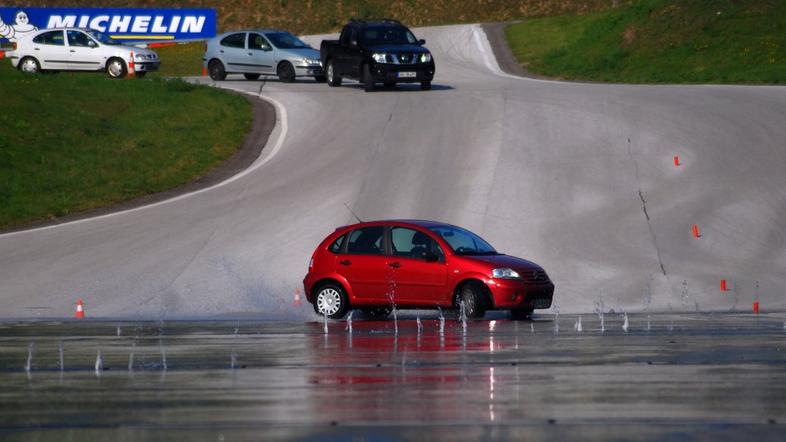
[364,265]
[418,267]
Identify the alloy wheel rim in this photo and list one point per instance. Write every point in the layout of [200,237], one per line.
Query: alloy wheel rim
[29,66]
[330,71]
[115,69]
[329,301]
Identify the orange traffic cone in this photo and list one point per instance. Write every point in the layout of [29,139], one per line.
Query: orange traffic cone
[296,302]
[131,66]
[677,161]
[204,71]
[80,309]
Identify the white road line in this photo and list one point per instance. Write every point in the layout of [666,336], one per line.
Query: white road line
[282,128]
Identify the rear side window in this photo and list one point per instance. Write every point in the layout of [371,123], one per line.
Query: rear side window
[50,38]
[234,41]
[338,244]
[366,241]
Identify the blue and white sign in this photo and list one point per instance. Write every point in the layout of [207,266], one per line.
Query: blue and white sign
[125,24]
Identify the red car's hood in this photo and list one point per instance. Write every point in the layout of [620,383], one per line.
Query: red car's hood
[505,261]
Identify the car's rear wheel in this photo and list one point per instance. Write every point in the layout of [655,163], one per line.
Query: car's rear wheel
[368,80]
[216,70]
[425,85]
[251,76]
[116,68]
[474,298]
[29,65]
[521,313]
[286,72]
[333,78]
[331,300]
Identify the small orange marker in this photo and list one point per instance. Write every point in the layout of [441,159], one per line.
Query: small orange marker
[723,285]
[204,71]
[80,309]
[696,231]
[676,161]
[296,302]
[131,66]
[756,307]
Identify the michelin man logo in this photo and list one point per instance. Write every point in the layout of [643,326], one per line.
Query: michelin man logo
[19,29]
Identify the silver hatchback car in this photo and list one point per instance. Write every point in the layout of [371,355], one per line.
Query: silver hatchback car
[258,52]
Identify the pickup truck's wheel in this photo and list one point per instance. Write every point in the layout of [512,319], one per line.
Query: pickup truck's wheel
[473,297]
[116,68]
[251,76]
[216,70]
[333,78]
[368,80]
[29,65]
[331,300]
[521,313]
[286,72]
[425,85]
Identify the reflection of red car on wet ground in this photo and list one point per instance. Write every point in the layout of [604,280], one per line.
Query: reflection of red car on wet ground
[420,264]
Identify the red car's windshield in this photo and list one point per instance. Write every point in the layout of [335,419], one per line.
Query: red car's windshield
[463,242]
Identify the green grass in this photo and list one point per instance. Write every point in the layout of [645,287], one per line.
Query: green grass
[74,142]
[660,41]
[182,60]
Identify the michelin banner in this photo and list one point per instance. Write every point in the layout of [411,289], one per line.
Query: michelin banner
[124,24]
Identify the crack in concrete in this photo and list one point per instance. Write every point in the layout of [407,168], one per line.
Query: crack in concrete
[644,209]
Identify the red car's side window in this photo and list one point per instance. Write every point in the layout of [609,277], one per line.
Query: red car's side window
[367,241]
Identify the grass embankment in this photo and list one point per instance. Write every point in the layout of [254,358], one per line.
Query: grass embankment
[74,142]
[660,41]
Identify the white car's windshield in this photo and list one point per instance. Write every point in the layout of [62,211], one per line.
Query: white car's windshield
[285,40]
[463,242]
[102,38]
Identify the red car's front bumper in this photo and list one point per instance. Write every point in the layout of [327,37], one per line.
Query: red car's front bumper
[508,293]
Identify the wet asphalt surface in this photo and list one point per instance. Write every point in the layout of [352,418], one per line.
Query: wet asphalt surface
[668,377]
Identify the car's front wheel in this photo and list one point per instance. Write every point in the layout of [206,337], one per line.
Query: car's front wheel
[216,70]
[286,72]
[331,301]
[29,65]
[368,80]
[473,298]
[116,68]
[333,78]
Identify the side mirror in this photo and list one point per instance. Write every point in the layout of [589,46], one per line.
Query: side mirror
[421,42]
[430,256]
[92,44]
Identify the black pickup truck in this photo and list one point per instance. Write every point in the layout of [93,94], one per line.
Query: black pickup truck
[379,51]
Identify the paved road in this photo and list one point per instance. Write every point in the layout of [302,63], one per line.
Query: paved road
[577,177]
[686,377]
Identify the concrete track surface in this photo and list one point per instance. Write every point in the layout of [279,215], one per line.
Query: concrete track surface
[577,177]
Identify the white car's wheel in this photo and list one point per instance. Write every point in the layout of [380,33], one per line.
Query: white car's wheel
[331,301]
[116,68]
[29,65]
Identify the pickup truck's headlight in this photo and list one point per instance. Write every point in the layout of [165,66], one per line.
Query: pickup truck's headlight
[380,58]
[505,273]
[425,58]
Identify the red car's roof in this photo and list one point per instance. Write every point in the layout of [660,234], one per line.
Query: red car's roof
[402,222]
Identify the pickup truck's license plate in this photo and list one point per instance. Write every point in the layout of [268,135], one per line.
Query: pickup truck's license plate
[407,74]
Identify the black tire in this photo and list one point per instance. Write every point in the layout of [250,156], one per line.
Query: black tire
[320,78]
[331,298]
[377,313]
[521,313]
[474,298]
[286,72]
[116,68]
[425,85]
[29,65]
[251,76]
[390,84]
[333,79]
[368,80]
[216,70]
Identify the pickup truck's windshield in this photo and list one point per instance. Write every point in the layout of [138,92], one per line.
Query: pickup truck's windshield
[285,40]
[463,242]
[386,35]
[102,38]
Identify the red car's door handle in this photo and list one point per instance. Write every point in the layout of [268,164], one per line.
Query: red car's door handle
[345,262]
[395,265]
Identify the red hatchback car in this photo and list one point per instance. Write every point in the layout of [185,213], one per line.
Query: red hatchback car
[374,266]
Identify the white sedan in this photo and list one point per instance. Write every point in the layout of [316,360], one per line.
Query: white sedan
[76,49]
